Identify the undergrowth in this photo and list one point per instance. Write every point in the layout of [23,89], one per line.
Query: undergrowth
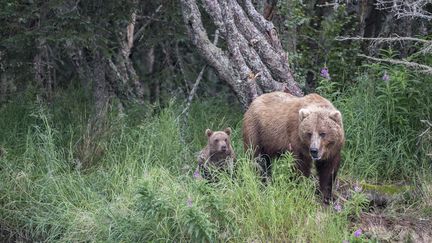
[141,186]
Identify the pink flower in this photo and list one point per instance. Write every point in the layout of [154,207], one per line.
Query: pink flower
[358,233]
[357,188]
[338,207]
[325,73]
[385,77]
[197,174]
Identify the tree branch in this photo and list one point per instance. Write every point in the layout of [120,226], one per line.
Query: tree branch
[198,79]
[139,33]
[406,8]
[252,48]
[421,67]
[384,39]
[426,49]
[214,56]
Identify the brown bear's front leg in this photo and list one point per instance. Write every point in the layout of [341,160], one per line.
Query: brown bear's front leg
[327,171]
[303,164]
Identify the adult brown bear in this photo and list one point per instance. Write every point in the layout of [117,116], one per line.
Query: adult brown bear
[310,127]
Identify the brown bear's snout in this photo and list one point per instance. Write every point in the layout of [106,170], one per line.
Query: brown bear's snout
[223,147]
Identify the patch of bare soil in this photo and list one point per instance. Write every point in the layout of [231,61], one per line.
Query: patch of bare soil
[391,216]
[398,228]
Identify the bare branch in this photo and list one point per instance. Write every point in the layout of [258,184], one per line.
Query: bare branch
[215,12]
[234,39]
[198,79]
[271,52]
[421,67]
[252,47]
[384,39]
[426,49]
[214,56]
[406,8]
[257,18]
[139,33]
[195,87]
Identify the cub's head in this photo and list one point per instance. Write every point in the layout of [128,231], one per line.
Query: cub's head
[219,141]
[321,132]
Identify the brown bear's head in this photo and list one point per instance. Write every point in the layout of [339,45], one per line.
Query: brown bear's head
[219,141]
[321,130]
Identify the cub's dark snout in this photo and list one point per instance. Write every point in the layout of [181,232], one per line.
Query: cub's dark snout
[224,147]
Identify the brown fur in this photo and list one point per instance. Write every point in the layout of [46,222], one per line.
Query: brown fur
[278,122]
[218,153]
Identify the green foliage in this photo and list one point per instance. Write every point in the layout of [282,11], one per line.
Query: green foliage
[143,189]
[328,87]
[357,203]
[317,47]
[382,123]
[401,94]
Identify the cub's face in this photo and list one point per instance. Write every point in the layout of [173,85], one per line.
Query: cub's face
[219,141]
[321,130]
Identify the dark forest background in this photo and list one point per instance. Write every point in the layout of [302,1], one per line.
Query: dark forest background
[140,51]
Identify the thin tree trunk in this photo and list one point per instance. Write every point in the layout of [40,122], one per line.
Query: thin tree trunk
[43,69]
[100,88]
[81,65]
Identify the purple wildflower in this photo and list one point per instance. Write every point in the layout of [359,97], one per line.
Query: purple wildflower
[358,233]
[338,207]
[197,174]
[385,77]
[189,202]
[325,73]
[357,188]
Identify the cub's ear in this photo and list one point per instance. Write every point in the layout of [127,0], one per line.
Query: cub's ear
[303,113]
[336,116]
[228,131]
[208,132]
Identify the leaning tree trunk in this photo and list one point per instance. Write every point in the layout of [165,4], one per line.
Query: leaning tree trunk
[254,61]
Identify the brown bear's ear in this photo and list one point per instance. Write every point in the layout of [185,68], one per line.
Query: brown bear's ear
[208,132]
[228,131]
[303,113]
[336,116]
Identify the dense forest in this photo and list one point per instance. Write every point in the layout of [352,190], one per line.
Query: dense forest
[104,107]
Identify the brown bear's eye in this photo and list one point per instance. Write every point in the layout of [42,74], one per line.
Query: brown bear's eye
[322,134]
[226,140]
[216,140]
[309,134]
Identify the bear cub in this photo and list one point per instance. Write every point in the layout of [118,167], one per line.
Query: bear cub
[217,155]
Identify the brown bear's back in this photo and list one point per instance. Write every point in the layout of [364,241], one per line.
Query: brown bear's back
[272,121]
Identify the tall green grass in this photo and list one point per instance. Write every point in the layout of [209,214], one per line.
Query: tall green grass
[141,187]
[382,122]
